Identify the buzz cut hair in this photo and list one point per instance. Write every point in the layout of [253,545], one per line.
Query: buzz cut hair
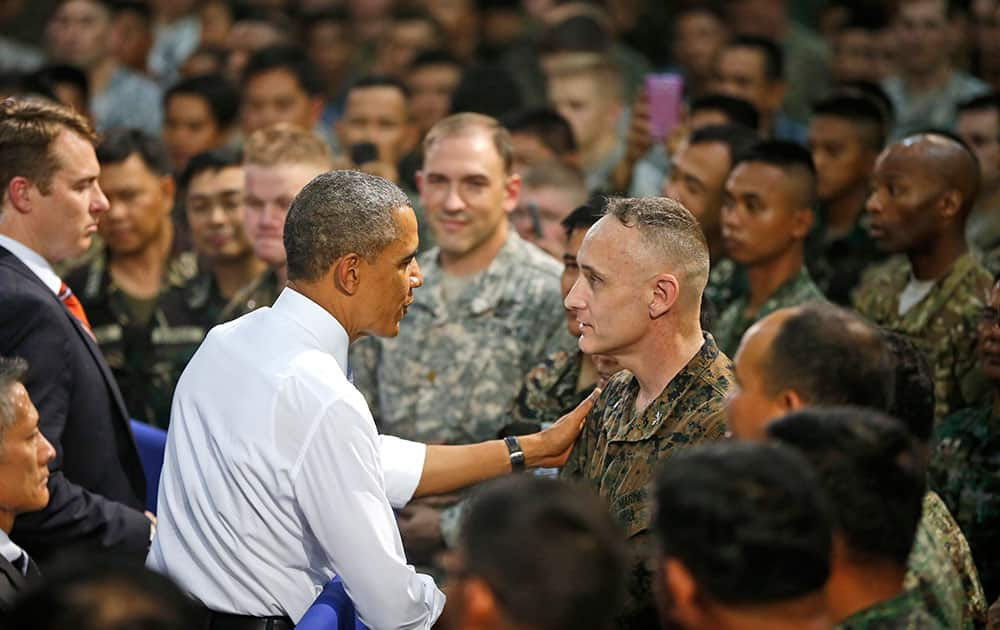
[794,160]
[669,229]
[285,143]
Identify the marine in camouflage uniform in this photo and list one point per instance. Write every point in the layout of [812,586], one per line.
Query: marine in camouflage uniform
[734,321]
[454,370]
[965,470]
[945,321]
[618,452]
[837,264]
[910,610]
[942,562]
[550,389]
[137,340]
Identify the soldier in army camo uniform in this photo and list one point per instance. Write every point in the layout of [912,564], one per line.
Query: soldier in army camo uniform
[965,459]
[766,216]
[910,610]
[120,286]
[671,393]
[924,187]
[489,310]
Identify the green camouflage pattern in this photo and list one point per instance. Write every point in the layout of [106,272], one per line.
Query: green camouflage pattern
[837,263]
[143,355]
[965,471]
[942,561]
[945,322]
[735,320]
[618,452]
[454,370]
[263,291]
[726,282]
[549,389]
[910,610]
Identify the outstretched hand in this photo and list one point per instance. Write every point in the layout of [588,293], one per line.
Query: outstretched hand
[557,441]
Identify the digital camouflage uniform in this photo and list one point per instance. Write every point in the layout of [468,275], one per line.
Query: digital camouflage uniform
[945,322]
[618,453]
[263,291]
[734,321]
[836,264]
[549,389]
[965,471]
[942,562]
[726,282]
[910,610]
[142,354]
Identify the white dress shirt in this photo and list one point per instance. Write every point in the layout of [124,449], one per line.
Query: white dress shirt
[11,552]
[34,261]
[275,478]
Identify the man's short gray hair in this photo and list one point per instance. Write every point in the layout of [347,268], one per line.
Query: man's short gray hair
[340,213]
[669,230]
[12,371]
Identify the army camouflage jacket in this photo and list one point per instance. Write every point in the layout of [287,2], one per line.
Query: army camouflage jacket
[965,471]
[735,321]
[945,321]
[942,562]
[837,263]
[910,610]
[726,282]
[141,355]
[618,453]
[549,389]
[452,373]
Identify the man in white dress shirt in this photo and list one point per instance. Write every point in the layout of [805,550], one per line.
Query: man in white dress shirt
[275,478]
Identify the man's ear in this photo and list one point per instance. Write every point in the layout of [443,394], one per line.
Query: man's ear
[479,605]
[684,594]
[949,204]
[790,400]
[666,289]
[347,272]
[511,192]
[776,95]
[168,187]
[802,222]
[19,191]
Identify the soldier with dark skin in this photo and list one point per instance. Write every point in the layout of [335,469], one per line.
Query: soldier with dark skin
[933,289]
[643,269]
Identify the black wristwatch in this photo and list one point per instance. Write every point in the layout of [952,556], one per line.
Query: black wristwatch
[516,453]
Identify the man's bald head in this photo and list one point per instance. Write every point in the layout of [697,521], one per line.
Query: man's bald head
[945,159]
[671,240]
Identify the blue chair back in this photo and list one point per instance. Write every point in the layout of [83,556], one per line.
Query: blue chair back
[332,610]
[151,442]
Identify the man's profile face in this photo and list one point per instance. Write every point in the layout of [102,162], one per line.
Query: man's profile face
[903,203]
[268,194]
[392,277]
[696,180]
[741,72]
[215,214]
[550,205]
[189,128]
[69,212]
[758,212]
[750,405]
[570,274]
[610,297]
[842,160]
[140,203]
[275,96]
[466,191]
[378,115]
[980,129]
[24,458]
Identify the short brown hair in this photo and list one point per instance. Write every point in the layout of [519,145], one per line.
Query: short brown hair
[28,128]
[462,123]
[285,143]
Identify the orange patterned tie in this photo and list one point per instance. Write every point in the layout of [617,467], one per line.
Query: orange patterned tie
[71,302]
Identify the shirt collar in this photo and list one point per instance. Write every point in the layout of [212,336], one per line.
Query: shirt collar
[329,333]
[8,549]
[34,261]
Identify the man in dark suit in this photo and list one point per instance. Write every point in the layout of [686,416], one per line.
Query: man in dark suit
[51,203]
[24,475]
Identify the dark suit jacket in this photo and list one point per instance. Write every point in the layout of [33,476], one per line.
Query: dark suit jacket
[96,485]
[13,584]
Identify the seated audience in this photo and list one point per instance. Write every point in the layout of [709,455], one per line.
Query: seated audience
[280,85]
[744,535]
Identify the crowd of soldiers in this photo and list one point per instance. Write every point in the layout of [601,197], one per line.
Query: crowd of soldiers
[805,262]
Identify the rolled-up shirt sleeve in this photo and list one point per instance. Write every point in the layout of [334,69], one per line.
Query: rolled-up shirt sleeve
[343,490]
[402,466]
